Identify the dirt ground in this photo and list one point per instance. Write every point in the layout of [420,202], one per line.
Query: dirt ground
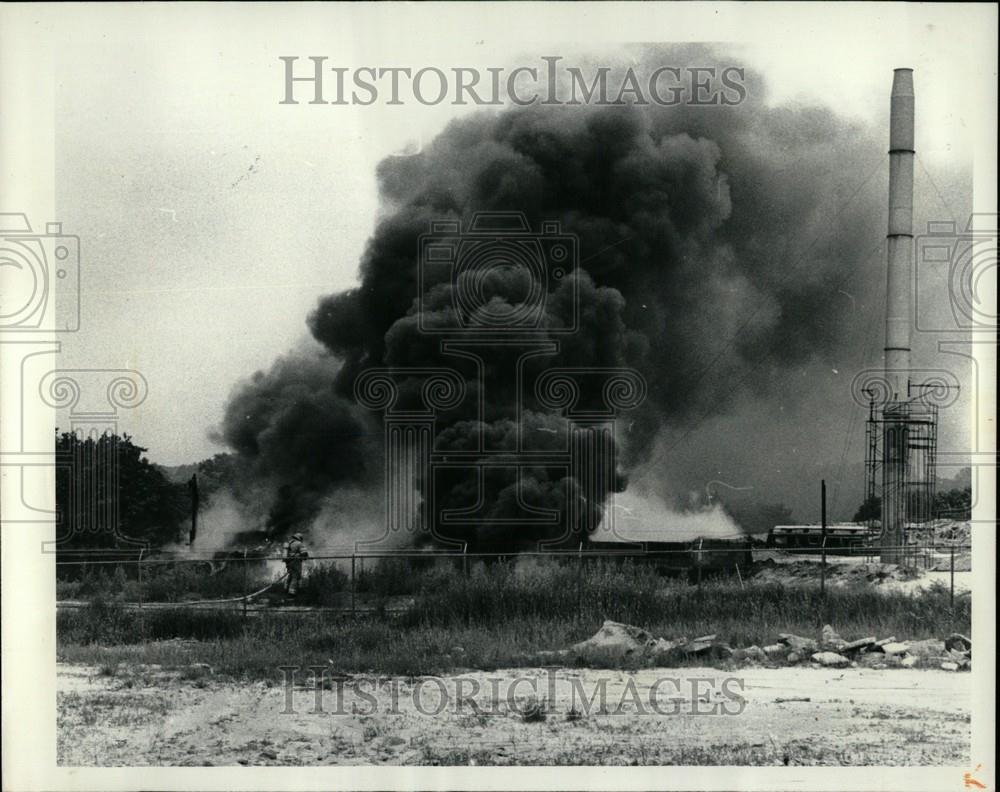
[779,566]
[753,716]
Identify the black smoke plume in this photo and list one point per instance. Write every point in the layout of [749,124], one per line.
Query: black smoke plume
[712,241]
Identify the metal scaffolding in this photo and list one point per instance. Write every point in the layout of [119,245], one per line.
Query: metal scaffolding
[901,469]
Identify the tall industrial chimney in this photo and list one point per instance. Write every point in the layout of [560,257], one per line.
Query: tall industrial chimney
[898,300]
[896,439]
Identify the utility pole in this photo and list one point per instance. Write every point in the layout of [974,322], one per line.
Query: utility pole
[193,489]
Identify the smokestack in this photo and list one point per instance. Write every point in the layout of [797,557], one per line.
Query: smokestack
[900,264]
[895,448]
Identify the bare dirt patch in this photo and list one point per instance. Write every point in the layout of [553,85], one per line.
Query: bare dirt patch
[147,716]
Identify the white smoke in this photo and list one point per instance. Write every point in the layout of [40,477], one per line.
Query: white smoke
[219,524]
[645,517]
[352,520]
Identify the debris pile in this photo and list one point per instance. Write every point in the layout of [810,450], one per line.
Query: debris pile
[833,651]
[616,644]
[945,532]
[786,573]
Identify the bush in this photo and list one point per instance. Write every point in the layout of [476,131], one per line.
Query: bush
[391,577]
[104,622]
[550,588]
[322,584]
[185,581]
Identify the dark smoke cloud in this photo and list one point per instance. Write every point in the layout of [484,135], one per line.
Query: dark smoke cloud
[298,438]
[712,241]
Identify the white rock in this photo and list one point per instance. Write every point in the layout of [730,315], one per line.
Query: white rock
[831,637]
[830,659]
[932,647]
[614,641]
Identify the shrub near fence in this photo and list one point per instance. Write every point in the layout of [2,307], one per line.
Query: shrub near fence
[159,582]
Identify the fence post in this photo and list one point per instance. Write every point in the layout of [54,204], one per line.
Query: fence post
[951,599]
[354,612]
[822,571]
[138,566]
[244,583]
[698,561]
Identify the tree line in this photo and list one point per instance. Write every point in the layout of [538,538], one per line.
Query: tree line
[110,496]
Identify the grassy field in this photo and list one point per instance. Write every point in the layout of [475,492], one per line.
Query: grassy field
[495,616]
[179,581]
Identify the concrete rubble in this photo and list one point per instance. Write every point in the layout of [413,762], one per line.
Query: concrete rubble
[830,639]
[752,654]
[776,651]
[830,660]
[931,647]
[616,643]
[862,644]
[797,643]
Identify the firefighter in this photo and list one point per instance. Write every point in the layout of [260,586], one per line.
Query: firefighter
[295,553]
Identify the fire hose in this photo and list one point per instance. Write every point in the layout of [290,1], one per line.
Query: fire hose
[241,598]
[231,599]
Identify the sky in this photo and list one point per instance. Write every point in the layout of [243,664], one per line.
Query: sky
[212,217]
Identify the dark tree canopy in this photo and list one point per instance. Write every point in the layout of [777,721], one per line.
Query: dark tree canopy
[871,509]
[109,496]
[955,504]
